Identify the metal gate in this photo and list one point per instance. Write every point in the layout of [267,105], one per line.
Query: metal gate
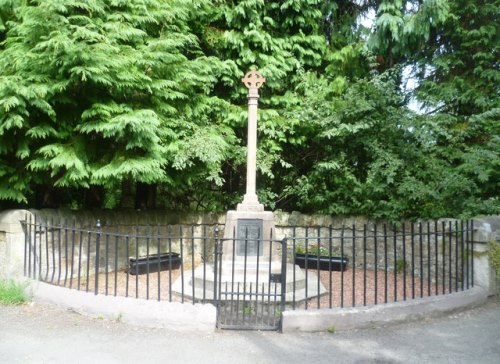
[251,283]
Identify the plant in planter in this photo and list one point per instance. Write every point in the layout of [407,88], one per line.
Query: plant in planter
[319,257]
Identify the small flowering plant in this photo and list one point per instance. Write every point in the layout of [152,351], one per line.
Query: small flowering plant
[314,249]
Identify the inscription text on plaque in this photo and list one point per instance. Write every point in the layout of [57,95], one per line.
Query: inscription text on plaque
[249,233]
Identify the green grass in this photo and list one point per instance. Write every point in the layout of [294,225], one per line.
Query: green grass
[11,293]
[494,254]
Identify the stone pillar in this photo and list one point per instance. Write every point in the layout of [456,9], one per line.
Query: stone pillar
[485,230]
[250,216]
[253,81]
[12,240]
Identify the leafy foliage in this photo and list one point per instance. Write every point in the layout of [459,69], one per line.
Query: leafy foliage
[139,104]
[97,91]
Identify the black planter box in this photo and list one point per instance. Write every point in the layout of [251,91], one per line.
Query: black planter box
[324,262]
[167,261]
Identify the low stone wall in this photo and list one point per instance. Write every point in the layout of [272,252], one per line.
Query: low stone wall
[365,243]
[67,241]
[411,248]
[437,239]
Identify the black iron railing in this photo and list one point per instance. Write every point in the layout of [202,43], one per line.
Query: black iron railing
[342,266]
[143,264]
[382,264]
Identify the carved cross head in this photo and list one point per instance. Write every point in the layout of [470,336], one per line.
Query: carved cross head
[253,80]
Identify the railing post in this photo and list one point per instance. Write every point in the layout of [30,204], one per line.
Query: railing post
[472,249]
[34,247]
[216,258]
[24,225]
[283,279]
[31,243]
[97,248]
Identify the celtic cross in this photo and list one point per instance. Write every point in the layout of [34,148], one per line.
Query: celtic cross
[253,80]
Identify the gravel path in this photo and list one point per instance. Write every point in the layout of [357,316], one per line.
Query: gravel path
[359,287]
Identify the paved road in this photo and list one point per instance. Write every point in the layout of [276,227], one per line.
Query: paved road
[37,333]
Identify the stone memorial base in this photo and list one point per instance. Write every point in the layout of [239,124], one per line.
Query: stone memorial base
[251,262]
[204,282]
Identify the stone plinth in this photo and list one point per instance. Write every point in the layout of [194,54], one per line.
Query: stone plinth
[248,237]
[251,272]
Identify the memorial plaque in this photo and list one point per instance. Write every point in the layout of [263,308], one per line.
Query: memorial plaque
[249,232]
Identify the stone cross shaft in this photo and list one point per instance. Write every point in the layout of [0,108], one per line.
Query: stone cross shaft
[253,80]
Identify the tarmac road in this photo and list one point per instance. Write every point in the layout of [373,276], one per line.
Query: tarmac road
[36,333]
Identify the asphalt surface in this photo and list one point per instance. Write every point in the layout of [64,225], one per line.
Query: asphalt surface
[36,333]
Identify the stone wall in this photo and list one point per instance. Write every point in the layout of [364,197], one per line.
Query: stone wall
[364,241]
[417,250]
[71,246]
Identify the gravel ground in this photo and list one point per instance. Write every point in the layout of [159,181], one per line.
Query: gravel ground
[359,287]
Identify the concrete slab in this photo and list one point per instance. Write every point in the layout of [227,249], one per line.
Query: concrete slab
[339,319]
[145,313]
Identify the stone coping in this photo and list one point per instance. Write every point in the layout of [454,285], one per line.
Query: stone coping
[340,319]
[138,312]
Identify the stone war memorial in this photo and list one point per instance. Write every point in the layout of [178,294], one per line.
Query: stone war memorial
[264,270]
[251,271]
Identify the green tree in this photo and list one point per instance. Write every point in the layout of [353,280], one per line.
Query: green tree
[459,87]
[93,93]
[356,147]
[101,100]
